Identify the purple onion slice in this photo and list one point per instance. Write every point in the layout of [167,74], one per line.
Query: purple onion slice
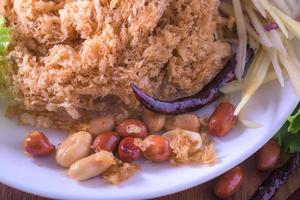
[271,26]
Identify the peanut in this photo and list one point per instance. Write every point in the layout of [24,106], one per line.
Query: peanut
[187,122]
[227,184]
[127,150]
[75,147]
[157,148]
[132,128]
[101,124]
[37,144]
[107,141]
[222,120]
[154,121]
[91,166]
[268,156]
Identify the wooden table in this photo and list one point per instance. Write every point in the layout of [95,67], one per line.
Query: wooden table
[202,192]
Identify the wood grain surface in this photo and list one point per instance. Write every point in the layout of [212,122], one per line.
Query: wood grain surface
[201,192]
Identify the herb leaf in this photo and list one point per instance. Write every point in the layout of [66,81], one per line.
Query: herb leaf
[294,123]
[288,136]
[4,38]
[4,42]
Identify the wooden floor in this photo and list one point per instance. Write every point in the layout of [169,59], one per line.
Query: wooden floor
[203,192]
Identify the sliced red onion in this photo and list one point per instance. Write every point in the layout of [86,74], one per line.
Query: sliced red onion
[271,26]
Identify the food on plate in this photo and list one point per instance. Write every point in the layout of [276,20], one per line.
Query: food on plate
[4,42]
[121,76]
[101,124]
[132,128]
[222,120]
[188,122]
[120,172]
[36,143]
[268,156]
[208,94]
[228,183]
[92,165]
[154,121]
[190,147]
[128,151]
[72,60]
[73,148]
[155,148]
[107,141]
[274,48]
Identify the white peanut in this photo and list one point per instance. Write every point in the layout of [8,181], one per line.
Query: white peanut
[188,122]
[75,147]
[101,124]
[91,166]
[154,121]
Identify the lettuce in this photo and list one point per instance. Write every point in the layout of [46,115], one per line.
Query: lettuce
[4,42]
[4,38]
[288,137]
[294,121]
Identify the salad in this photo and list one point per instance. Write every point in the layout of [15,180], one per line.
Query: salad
[124,89]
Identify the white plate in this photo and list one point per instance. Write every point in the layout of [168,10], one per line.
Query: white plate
[44,177]
[270,107]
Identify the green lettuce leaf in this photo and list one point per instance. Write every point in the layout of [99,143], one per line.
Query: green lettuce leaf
[4,42]
[294,121]
[4,38]
[288,137]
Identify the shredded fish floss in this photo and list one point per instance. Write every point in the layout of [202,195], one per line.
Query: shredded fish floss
[75,59]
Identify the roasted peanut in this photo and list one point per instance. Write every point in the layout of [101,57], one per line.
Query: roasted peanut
[154,121]
[37,144]
[107,141]
[268,156]
[91,166]
[187,122]
[132,128]
[228,183]
[127,150]
[222,120]
[75,147]
[101,124]
[157,148]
